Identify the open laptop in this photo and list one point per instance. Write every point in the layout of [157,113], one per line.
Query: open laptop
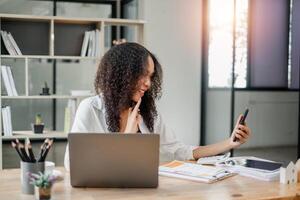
[114,160]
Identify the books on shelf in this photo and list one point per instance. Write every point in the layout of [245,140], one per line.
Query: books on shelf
[8,80]
[10,43]
[194,172]
[91,44]
[6,121]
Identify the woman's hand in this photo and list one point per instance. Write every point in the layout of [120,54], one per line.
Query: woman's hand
[134,119]
[240,134]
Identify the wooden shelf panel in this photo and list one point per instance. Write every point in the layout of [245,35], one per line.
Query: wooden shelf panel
[31,135]
[50,57]
[72,20]
[45,97]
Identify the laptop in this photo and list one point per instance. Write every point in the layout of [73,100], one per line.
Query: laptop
[114,160]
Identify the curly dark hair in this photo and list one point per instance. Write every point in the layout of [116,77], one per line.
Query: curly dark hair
[117,76]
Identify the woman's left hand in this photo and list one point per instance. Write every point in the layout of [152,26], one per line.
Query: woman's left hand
[240,134]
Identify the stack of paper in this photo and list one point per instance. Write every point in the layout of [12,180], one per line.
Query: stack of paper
[194,172]
[8,80]
[265,175]
[6,121]
[91,44]
[10,44]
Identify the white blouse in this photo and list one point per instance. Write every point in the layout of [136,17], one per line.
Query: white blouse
[90,118]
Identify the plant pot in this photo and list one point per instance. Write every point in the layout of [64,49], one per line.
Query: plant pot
[42,193]
[37,128]
[45,91]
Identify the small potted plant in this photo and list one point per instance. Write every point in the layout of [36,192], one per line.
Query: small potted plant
[42,184]
[38,126]
[45,89]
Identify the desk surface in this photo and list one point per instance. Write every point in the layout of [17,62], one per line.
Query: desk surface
[236,187]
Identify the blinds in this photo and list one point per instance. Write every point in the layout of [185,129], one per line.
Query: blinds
[295,54]
[268,53]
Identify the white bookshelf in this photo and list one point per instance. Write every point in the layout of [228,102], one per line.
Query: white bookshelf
[57,30]
[32,136]
[45,97]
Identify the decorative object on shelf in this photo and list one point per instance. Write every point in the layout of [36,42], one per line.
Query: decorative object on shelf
[45,89]
[42,184]
[38,126]
[288,174]
[119,41]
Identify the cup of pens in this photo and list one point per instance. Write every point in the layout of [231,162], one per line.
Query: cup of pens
[29,163]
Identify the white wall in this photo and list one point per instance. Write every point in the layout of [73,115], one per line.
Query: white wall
[173,34]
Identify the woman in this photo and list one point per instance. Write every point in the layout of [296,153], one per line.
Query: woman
[127,83]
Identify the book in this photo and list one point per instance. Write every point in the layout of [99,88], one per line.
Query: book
[91,44]
[6,119]
[7,43]
[11,81]
[85,43]
[8,81]
[14,44]
[90,48]
[67,120]
[70,111]
[97,43]
[194,172]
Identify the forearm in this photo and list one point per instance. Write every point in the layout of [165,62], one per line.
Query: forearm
[213,149]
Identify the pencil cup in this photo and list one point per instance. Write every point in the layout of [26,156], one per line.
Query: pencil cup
[26,169]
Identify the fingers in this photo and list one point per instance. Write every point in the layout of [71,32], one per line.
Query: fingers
[139,119]
[244,128]
[241,135]
[238,121]
[136,107]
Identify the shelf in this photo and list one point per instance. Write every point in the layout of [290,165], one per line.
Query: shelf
[50,57]
[45,97]
[31,135]
[75,20]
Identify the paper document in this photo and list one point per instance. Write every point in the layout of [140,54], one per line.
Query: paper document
[194,172]
[235,164]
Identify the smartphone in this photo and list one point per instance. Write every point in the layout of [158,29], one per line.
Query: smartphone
[264,165]
[242,121]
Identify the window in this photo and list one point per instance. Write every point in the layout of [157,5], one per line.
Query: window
[258,39]
[220,53]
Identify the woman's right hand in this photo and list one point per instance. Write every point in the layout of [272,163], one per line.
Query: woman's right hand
[134,119]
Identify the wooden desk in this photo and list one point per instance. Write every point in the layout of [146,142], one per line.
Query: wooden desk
[236,187]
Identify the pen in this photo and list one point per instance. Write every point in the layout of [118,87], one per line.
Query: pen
[44,155]
[15,147]
[43,146]
[22,150]
[29,149]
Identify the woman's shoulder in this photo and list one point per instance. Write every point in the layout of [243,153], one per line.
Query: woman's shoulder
[94,102]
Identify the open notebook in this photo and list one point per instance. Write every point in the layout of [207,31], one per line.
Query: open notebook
[194,172]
